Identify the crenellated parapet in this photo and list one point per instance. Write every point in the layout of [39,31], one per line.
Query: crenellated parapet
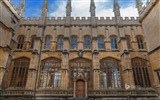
[146,8]
[78,21]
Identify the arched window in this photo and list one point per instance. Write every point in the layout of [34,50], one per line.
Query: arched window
[140,72]
[20,42]
[50,73]
[110,74]
[60,43]
[113,43]
[87,42]
[32,42]
[47,42]
[19,72]
[73,42]
[100,43]
[140,42]
[128,40]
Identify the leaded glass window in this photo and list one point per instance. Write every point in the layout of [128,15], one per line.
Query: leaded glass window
[100,43]
[103,80]
[140,72]
[73,42]
[158,75]
[32,42]
[128,40]
[140,42]
[47,42]
[60,42]
[110,74]
[50,73]
[87,42]
[113,43]
[19,72]
[20,42]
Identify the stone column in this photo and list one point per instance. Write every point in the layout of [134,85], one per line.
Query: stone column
[96,67]
[128,78]
[86,89]
[3,62]
[64,67]
[74,96]
[80,40]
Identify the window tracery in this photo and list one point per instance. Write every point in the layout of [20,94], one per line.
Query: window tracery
[50,74]
[20,42]
[47,42]
[100,43]
[60,42]
[140,72]
[110,74]
[113,43]
[73,42]
[19,72]
[87,42]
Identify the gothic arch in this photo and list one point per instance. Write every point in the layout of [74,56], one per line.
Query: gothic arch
[20,58]
[80,68]
[48,58]
[141,72]
[110,73]
[50,73]
[109,57]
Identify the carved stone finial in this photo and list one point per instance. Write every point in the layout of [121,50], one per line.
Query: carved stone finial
[21,8]
[68,8]
[116,8]
[139,6]
[92,8]
[45,9]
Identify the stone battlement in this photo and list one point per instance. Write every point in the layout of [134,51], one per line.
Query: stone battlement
[146,8]
[80,18]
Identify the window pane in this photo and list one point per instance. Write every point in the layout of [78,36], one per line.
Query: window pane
[47,43]
[50,74]
[110,67]
[20,42]
[140,71]
[73,43]
[113,43]
[87,42]
[19,73]
[100,43]
[60,43]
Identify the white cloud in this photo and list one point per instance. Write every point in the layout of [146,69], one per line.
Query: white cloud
[80,8]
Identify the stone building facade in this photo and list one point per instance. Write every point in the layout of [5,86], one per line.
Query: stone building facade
[79,58]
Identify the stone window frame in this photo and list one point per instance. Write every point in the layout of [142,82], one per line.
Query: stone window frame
[128,41]
[101,45]
[114,44]
[21,40]
[47,43]
[141,72]
[105,67]
[158,75]
[19,72]
[140,42]
[60,42]
[54,70]
[32,42]
[73,44]
[88,44]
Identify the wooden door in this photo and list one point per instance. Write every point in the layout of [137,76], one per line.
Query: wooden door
[80,89]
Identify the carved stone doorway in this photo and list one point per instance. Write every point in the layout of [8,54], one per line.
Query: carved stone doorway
[80,90]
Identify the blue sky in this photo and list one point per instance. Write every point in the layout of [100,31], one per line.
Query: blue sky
[80,8]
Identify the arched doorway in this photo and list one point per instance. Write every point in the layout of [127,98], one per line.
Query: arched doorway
[80,89]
